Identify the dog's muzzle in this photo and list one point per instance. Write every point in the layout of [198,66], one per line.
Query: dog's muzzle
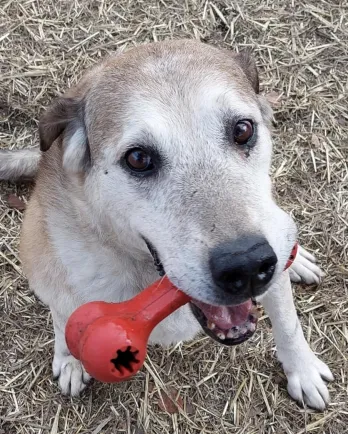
[228,325]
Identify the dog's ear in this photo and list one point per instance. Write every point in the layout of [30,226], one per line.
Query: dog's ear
[248,65]
[266,109]
[65,119]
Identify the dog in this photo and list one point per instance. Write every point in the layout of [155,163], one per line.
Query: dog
[163,153]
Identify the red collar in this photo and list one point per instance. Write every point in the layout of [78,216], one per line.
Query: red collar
[292,257]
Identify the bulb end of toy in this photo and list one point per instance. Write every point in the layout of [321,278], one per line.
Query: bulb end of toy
[111,351]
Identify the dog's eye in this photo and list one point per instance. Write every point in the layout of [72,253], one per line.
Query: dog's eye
[243,132]
[138,160]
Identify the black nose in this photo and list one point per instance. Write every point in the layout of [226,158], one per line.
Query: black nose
[243,266]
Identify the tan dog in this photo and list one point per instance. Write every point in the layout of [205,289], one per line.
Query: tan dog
[164,152]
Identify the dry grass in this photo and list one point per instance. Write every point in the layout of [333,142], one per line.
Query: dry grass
[302,54]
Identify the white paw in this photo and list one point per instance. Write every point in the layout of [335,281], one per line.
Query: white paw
[71,375]
[304,269]
[306,375]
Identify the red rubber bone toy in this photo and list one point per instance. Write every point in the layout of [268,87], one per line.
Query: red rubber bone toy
[110,339]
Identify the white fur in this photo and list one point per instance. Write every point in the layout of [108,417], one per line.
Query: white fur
[305,372]
[75,151]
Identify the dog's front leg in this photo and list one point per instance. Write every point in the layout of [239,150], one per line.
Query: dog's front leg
[69,372]
[304,371]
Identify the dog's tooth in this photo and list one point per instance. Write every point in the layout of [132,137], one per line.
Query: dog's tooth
[221,336]
[243,329]
[233,333]
[211,325]
[252,326]
[230,334]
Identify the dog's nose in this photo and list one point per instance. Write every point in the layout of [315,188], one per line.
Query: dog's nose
[244,265]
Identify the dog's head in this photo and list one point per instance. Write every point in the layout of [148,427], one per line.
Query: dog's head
[173,145]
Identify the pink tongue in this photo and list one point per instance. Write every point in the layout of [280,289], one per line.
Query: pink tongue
[226,317]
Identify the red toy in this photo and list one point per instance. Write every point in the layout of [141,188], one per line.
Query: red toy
[110,339]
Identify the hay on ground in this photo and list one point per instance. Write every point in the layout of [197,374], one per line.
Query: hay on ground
[301,49]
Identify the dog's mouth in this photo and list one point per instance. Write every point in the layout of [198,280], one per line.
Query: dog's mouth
[228,325]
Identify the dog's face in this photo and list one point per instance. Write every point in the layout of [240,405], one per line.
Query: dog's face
[173,144]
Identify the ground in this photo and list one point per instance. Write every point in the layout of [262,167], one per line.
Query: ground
[302,54]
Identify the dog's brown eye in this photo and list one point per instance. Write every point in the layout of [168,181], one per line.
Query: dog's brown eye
[243,132]
[138,160]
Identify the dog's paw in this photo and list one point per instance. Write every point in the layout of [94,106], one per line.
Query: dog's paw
[306,375]
[72,377]
[304,269]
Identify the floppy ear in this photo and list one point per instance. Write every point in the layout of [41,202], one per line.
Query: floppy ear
[248,65]
[65,118]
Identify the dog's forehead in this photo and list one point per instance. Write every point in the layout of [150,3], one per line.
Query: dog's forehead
[198,113]
[173,89]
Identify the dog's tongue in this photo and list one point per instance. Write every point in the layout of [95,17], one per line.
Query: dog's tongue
[226,317]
